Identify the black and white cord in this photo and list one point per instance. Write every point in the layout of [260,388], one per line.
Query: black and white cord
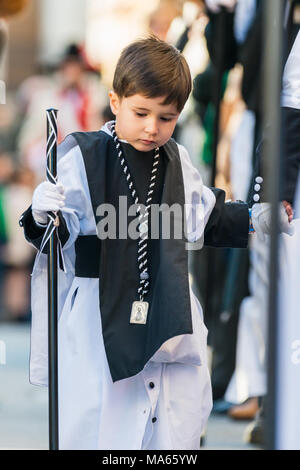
[143,215]
[52,216]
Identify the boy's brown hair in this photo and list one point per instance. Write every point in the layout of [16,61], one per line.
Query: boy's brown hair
[153,68]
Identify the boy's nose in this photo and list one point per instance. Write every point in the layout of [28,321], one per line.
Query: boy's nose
[151,127]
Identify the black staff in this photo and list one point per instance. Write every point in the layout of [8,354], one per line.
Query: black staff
[273,38]
[52,284]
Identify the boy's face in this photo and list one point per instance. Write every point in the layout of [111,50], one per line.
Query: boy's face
[145,123]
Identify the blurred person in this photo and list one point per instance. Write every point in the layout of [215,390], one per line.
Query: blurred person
[17,255]
[8,8]
[117,368]
[191,43]
[162,17]
[244,380]
[248,383]
[75,92]
[221,306]
[16,191]
[8,116]
[6,167]
[6,171]
[286,408]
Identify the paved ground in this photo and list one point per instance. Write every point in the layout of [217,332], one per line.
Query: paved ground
[24,408]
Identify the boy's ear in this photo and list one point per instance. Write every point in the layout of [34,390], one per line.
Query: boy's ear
[114,102]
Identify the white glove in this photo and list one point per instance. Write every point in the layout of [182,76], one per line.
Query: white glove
[47,197]
[215,5]
[261,220]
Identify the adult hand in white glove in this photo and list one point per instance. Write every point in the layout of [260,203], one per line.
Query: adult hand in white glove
[261,220]
[215,5]
[47,197]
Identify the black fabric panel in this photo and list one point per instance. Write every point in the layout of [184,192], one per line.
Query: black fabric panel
[228,45]
[291,152]
[257,171]
[130,346]
[250,56]
[228,224]
[290,158]
[34,234]
[88,252]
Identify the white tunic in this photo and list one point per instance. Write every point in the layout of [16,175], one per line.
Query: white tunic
[250,377]
[291,77]
[94,412]
[287,412]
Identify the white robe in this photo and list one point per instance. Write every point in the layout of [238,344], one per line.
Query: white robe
[287,411]
[250,376]
[94,412]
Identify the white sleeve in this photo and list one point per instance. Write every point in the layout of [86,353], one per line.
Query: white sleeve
[199,200]
[77,212]
[79,218]
[291,78]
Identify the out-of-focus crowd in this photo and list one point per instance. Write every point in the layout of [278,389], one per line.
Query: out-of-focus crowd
[81,95]
[77,90]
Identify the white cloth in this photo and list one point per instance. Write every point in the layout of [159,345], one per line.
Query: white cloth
[46,197]
[291,77]
[244,15]
[261,219]
[241,154]
[288,345]
[94,412]
[287,409]
[249,377]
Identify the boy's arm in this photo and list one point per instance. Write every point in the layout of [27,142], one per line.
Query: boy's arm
[77,207]
[34,232]
[228,224]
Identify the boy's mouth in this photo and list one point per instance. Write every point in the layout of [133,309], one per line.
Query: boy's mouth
[147,142]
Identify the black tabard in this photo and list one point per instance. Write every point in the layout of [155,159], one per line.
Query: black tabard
[130,346]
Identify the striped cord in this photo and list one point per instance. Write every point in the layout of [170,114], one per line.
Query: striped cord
[142,253]
[52,216]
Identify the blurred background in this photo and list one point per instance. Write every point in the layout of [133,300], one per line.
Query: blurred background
[62,54]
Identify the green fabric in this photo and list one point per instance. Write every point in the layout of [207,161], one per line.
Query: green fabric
[3,228]
[208,126]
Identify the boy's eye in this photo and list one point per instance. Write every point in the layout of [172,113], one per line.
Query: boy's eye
[164,119]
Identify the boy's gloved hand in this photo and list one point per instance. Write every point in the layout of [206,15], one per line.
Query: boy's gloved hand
[215,5]
[261,220]
[47,197]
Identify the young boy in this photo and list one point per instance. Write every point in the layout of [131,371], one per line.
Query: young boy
[132,343]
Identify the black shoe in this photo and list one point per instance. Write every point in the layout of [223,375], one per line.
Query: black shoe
[254,432]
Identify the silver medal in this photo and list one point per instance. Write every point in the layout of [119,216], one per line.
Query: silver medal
[139,312]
